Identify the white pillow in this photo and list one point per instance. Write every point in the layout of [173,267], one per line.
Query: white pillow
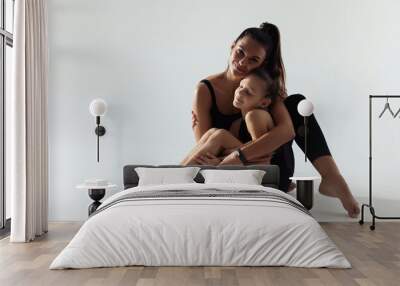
[163,176]
[248,177]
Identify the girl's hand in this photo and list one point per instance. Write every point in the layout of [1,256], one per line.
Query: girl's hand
[208,159]
[231,159]
[261,161]
[226,152]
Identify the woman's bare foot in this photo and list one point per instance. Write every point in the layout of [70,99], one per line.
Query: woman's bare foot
[334,185]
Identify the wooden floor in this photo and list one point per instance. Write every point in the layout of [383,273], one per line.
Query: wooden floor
[375,256]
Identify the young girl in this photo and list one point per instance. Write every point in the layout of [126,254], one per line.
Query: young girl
[253,96]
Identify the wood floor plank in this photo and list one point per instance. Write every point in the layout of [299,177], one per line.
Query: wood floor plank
[374,255]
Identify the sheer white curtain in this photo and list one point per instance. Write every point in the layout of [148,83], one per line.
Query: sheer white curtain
[28,122]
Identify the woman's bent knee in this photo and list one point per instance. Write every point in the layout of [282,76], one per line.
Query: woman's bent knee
[294,99]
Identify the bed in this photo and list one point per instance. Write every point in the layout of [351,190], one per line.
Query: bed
[201,224]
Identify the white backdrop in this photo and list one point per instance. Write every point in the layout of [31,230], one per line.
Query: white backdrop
[145,58]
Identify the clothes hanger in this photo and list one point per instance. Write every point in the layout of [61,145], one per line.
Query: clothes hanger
[387,107]
[397,113]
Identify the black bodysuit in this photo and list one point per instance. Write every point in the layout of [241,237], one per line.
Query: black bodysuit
[283,156]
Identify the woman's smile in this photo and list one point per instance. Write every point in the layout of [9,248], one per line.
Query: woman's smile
[238,69]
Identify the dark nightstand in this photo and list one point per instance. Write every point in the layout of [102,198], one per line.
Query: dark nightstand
[96,193]
[305,190]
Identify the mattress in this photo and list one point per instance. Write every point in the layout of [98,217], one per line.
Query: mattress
[201,225]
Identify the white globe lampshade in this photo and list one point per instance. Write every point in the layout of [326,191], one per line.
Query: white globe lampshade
[98,107]
[305,107]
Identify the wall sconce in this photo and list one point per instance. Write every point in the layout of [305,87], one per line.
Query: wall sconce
[97,108]
[305,108]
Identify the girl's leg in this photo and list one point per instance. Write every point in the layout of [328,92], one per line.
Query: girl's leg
[216,143]
[332,184]
[202,141]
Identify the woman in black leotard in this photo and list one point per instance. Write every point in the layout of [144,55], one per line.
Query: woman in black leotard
[212,108]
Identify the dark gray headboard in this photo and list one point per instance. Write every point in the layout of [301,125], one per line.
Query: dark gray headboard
[270,179]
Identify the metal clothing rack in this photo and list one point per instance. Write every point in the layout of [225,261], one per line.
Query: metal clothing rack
[369,205]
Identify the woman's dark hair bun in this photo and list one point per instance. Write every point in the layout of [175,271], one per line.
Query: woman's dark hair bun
[265,26]
[270,29]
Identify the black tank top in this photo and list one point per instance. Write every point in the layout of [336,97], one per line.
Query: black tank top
[218,119]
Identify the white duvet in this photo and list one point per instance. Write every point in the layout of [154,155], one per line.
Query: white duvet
[200,231]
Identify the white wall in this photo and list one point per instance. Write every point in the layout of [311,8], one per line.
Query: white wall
[145,57]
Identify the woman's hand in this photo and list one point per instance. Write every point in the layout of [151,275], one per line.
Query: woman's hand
[208,159]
